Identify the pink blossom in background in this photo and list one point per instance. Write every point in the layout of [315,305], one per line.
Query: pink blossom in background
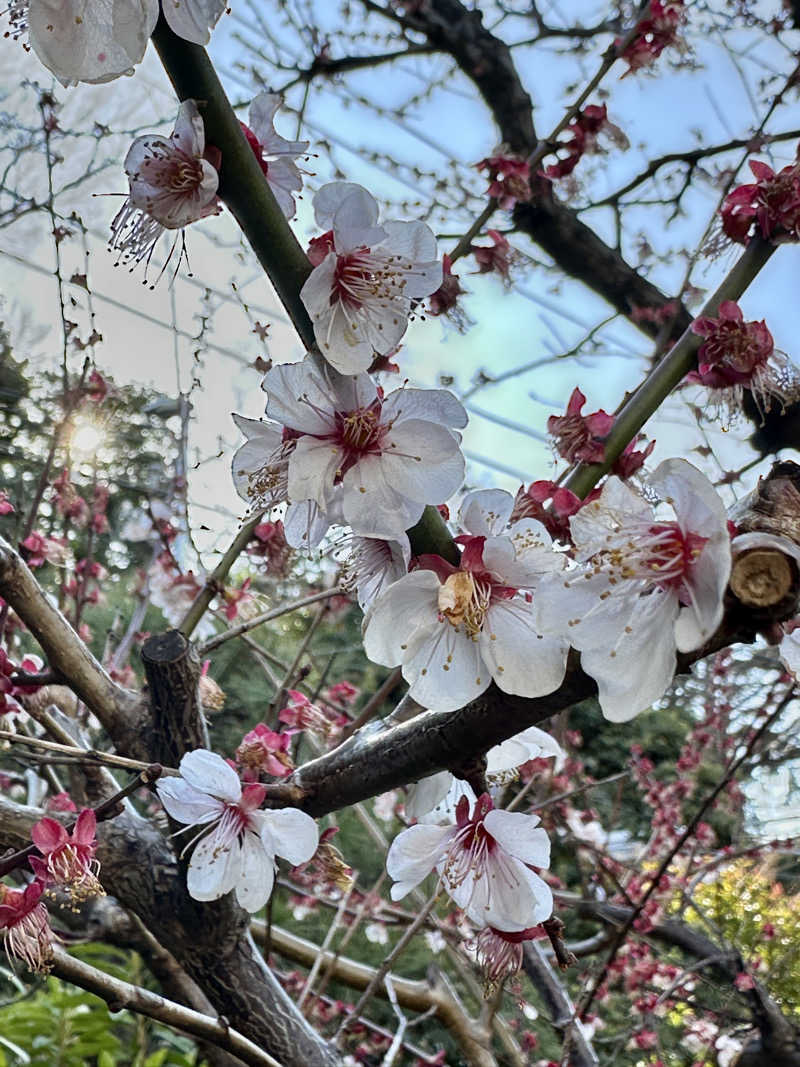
[444,301]
[262,750]
[659,29]
[497,257]
[6,507]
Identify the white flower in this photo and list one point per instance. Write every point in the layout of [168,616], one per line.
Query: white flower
[85,40]
[193,19]
[349,454]
[484,861]
[276,155]
[646,587]
[440,793]
[365,277]
[455,629]
[171,185]
[238,844]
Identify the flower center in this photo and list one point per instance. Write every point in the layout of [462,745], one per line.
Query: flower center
[362,277]
[185,175]
[464,600]
[361,430]
[661,553]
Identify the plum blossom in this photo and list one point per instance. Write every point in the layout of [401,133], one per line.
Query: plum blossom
[172,182]
[509,179]
[6,507]
[484,861]
[454,629]
[276,156]
[645,587]
[498,256]
[68,858]
[373,564]
[236,844]
[738,355]
[499,954]
[341,451]
[583,132]
[261,749]
[25,926]
[580,437]
[659,29]
[769,207]
[85,40]
[360,292]
[529,504]
[437,796]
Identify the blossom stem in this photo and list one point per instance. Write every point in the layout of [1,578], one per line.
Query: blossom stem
[267,616]
[668,373]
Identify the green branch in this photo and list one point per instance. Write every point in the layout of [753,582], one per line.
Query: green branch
[669,373]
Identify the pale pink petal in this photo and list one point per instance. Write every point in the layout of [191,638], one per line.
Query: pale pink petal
[521,660]
[300,397]
[193,19]
[528,745]
[430,405]
[187,804]
[485,512]
[290,833]
[256,875]
[396,614]
[423,796]
[413,855]
[444,669]
[215,866]
[208,772]
[520,836]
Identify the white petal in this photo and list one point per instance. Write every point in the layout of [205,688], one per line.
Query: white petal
[638,668]
[187,804]
[396,614]
[430,405]
[329,198]
[422,461]
[305,524]
[530,744]
[415,242]
[485,512]
[209,773]
[413,855]
[290,833]
[697,504]
[444,667]
[423,796]
[215,866]
[520,836]
[312,469]
[299,397]
[189,133]
[354,219]
[193,19]
[522,661]
[706,585]
[789,651]
[617,506]
[256,874]
[504,894]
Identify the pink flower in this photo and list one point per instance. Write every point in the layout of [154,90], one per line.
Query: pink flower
[40,550]
[485,862]
[495,257]
[360,294]
[579,437]
[237,599]
[68,859]
[744,982]
[655,32]
[583,131]
[530,504]
[173,182]
[276,156]
[499,954]
[301,714]
[445,300]
[632,459]
[96,387]
[738,355]
[771,204]
[26,929]
[509,179]
[263,750]
[269,543]
[6,507]
[60,802]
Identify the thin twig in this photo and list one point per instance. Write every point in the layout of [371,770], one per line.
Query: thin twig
[267,616]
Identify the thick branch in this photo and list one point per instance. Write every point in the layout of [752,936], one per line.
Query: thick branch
[172,668]
[67,655]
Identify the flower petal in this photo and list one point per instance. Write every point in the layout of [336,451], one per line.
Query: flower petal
[413,855]
[209,773]
[520,835]
[290,833]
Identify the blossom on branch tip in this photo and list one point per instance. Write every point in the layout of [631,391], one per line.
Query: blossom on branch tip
[769,207]
[579,438]
[366,276]
[499,954]
[25,926]
[530,504]
[444,301]
[454,629]
[172,181]
[68,858]
[276,156]
[659,29]
[644,587]
[85,40]
[484,861]
[236,844]
[261,749]
[340,450]
[737,355]
[498,256]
